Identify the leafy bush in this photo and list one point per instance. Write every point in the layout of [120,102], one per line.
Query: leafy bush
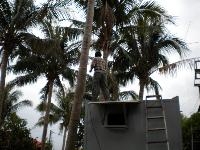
[15,135]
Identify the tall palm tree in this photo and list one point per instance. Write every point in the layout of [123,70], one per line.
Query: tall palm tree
[80,88]
[109,16]
[16,17]
[143,50]
[50,57]
[11,98]
[118,13]
[59,112]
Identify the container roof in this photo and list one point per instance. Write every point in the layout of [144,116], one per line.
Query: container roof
[115,102]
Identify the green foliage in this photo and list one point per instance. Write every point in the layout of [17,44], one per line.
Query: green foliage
[59,112]
[15,135]
[189,125]
[11,99]
[50,57]
[142,49]
[48,145]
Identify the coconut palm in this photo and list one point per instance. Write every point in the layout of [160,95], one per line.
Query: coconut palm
[109,16]
[80,87]
[107,23]
[12,104]
[114,87]
[143,50]
[16,16]
[119,13]
[59,112]
[50,57]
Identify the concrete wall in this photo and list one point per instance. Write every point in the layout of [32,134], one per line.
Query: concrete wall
[131,134]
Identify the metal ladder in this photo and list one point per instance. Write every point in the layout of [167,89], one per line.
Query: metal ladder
[156,127]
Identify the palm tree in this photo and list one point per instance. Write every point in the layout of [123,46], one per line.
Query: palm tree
[59,112]
[16,17]
[50,57]
[118,13]
[143,50]
[80,88]
[12,103]
[114,87]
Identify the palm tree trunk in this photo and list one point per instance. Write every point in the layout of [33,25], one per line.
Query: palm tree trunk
[46,118]
[115,94]
[105,54]
[80,88]
[141,92]
[3,68]
[64,138]
[105,57]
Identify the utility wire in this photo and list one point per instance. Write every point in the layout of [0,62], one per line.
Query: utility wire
[188,27]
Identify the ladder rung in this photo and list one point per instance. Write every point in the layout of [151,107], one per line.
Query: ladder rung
[149,96]
[154,142]
[197,70]
[197,84]
[156,129]
[155,117]
[153,106]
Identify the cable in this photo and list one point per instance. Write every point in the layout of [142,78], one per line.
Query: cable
[187,29]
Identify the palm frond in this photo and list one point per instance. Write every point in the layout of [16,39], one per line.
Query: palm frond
[72,53]
[77,23]
[153,85]
[52,120]
[11,98]
[128,95]
[24,103]
[44,92]
[153,10]
[169,44]
[124,77]
[59,84]
[47,29]
[5,15]
[174,67]
[69,33]
[69,74]
[26,79]
[40,122]
[56,9]
[41,107]
[14,96]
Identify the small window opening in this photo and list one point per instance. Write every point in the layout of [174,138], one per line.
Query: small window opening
[116,119]
[115,116]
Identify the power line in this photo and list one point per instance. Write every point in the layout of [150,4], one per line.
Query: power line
[187,29]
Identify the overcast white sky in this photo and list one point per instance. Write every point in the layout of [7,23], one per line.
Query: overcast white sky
[187,14]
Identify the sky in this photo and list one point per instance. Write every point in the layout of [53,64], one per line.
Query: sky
[186,13]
